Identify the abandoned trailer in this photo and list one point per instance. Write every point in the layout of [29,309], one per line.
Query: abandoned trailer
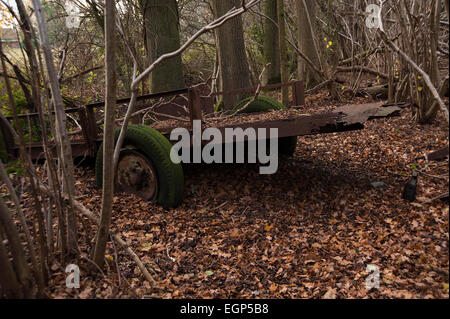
[146,167]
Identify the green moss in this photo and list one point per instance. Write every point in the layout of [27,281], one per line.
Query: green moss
[218,107]
[15,168]
[261,104]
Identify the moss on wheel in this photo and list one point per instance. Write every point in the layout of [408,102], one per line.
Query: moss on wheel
[157,149]
[261,104]
[286,145]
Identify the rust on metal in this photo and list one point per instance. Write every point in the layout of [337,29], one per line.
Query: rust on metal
[345,118]
[136,175]
[175,107]
[195,106]
[69,110]
[298,93]
[438,155]
[143,97]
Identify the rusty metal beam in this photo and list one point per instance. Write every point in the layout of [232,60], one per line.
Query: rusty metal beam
[71,110]
[345,118]
[142,97]
[195,106]
[298,93]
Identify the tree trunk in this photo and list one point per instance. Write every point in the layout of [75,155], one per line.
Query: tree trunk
[446,6]
[306,42]
[271,43]
[161,23]
[434,41]
[8,280]
[61,129]
[41,274]
[283,51]
[234,71]
[428,108]
[108,138]
[19,263]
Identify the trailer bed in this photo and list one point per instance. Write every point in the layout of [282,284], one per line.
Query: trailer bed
[294,121]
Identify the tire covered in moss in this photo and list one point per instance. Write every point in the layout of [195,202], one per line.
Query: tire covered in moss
[286,145]
[157,149]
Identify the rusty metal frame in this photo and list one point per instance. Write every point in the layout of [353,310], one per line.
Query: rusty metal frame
[298,91]
[350,117]
[142,97]
[342,119]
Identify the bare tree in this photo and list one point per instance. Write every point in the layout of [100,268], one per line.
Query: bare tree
[61,126]
[108,138]
[413,65]
[232,13]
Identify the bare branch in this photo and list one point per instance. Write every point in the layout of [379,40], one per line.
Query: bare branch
[425,75]
[136,81]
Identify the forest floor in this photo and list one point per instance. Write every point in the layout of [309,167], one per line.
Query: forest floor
[308,231]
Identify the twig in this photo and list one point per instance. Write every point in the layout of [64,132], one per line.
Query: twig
[360,68]
[220,206]
[86,212]
[119,240]
[258,90]
[116,262]
[444,195]
[101,271]
[75,120]
[319,86]
[168,116]
[444,176]
[138,79]
[425,75]
[81,73]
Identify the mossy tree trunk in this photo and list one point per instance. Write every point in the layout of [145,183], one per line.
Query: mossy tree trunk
[284,66]
[162,35]
[271,43]
[234,70]
[306,41]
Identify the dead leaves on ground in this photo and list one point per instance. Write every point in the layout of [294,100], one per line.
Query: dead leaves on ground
[308,231]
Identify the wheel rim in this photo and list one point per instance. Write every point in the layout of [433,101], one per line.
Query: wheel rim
[136,175]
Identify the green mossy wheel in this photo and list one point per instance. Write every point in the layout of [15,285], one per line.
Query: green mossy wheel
[157,149]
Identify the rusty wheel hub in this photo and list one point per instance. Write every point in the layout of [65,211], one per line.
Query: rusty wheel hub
[136,175]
